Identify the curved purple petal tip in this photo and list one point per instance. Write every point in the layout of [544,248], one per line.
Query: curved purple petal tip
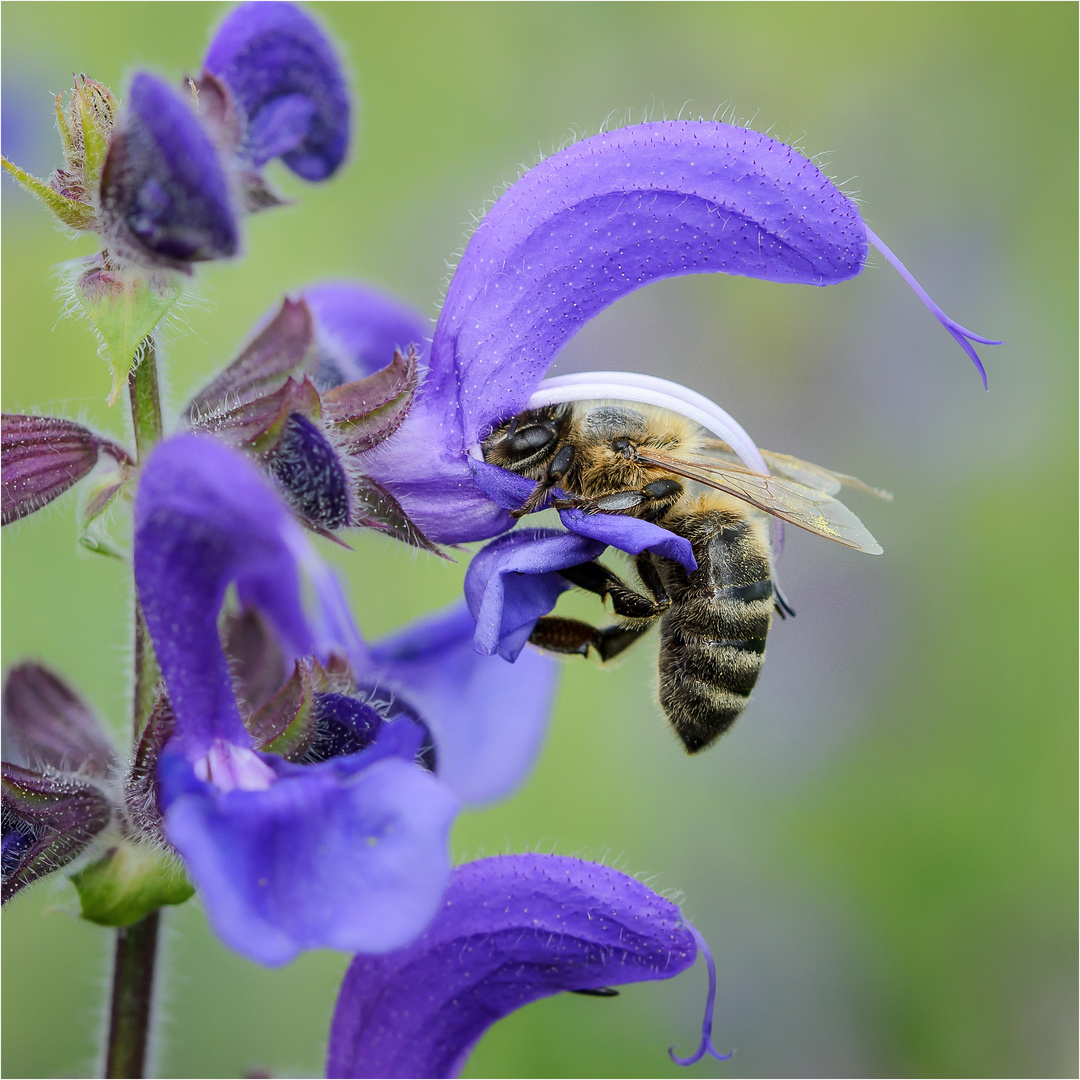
[512,929]
[961,334]
[284,74]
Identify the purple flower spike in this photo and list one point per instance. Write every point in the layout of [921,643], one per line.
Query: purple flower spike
[286,79]
[512,930]
[165,200]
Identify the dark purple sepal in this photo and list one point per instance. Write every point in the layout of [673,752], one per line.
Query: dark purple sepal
[368,411]
[347,854]
[514,580]
[255,660]
[284,346]
[285,78]
[142,804]
[49,819]
[258,425]
[45,724]
[511,930]
[373,507]
[462,696]
[165,198]
[41,457]
[285,725]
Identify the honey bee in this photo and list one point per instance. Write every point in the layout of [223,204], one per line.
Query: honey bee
[611,457]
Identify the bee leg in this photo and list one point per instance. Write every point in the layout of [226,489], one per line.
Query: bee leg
[658,497]
[596,578]
[574,637]
[559,467]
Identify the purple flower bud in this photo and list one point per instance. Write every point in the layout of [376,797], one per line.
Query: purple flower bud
[311,474]
[165,199]
[511,930]
[41,457]
[46,725]
[285,78]
[48,820]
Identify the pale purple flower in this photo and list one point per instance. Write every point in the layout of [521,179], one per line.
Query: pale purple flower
[348,851]
[510,930]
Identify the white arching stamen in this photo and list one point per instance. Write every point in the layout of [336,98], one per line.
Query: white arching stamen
[664,394]
[650,390]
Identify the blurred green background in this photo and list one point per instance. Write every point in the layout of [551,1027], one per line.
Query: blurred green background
[882,852]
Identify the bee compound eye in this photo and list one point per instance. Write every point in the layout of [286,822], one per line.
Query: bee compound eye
[529,439]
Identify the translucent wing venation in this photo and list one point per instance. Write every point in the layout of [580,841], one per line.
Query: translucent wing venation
[806,506]
[803,472]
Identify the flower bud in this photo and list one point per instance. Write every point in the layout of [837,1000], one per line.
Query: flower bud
[128,882]
[43,456]
[165,199]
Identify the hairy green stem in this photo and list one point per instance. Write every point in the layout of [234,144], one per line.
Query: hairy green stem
[132,993]
[136,946]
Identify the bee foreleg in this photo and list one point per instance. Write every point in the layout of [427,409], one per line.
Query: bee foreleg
[658,496]
[559,467]
[596,578]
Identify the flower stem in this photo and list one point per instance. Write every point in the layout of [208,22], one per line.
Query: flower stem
[145,396]
[132,992]
[136,945]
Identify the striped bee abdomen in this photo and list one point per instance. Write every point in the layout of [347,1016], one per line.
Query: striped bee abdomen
[712,639]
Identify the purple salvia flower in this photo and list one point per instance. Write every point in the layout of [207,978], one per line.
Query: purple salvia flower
[346,852]
[284,77]
[583,228]
[511,930]
[165,198]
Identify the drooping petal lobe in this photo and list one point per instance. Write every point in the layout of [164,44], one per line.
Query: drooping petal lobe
[630,534]
[347,854]
[514,580]
[511,930]
[488,718]
[613,213]
[165,200]
[287,81]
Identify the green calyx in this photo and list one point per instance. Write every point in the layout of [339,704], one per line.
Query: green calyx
[128,883]
[124,306]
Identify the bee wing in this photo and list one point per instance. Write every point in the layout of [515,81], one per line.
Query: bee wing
[804,472]
[807,507]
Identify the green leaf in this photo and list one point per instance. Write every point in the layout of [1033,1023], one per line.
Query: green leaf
[77,215]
